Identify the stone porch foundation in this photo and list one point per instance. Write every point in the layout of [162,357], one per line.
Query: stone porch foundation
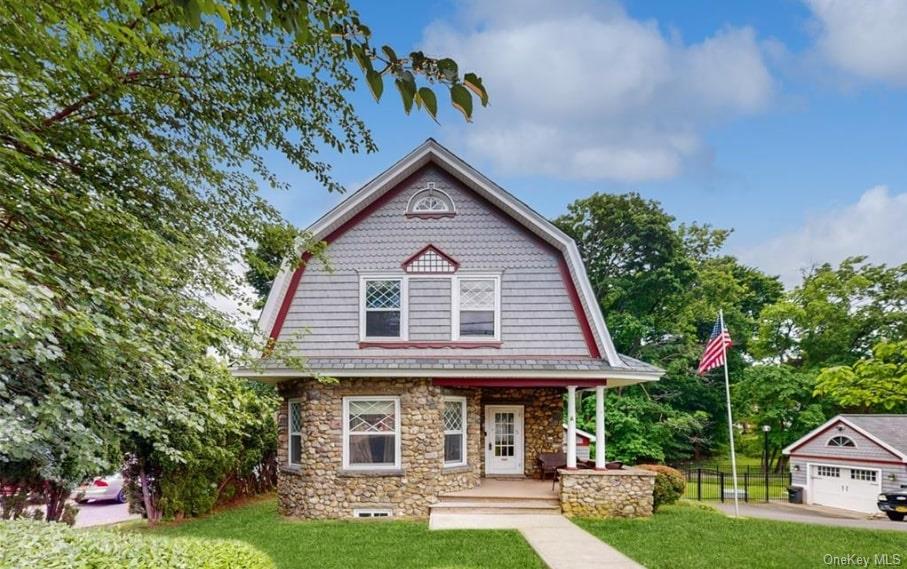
[625,493]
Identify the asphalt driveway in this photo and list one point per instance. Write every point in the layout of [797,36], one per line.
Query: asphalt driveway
[103,513]
[785,512]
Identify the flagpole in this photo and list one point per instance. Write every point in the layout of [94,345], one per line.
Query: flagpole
[730,421]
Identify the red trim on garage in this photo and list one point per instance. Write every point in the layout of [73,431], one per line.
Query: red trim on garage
[514,382]
[835,424]
[855,460]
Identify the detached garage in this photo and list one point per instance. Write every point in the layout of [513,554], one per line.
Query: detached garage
[851,459]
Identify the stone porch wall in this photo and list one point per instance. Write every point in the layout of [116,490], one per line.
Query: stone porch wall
[320,488]
[625,493]
[542,418]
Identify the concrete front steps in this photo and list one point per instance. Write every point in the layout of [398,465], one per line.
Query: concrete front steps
[498,503]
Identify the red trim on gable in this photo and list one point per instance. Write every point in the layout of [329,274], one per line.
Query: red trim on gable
[514,382]
[826,429]
[838,459]
[588,335]
[428,344]
[366,211]
[332,236]
[430,247]
[430,215]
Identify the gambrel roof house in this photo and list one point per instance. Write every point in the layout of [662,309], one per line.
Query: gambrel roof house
[850,459]
[454,319]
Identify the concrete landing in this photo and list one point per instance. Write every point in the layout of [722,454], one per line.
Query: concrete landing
[560,543]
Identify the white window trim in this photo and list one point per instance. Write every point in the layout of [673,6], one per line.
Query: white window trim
[346,432]
[455,306]
[465,414]
[851,439]
[290,433]
[366,513]
[419,194]
[404,305]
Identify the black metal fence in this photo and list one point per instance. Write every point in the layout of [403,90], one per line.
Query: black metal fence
[753,485]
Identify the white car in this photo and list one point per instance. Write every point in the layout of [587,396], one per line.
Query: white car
[102,488]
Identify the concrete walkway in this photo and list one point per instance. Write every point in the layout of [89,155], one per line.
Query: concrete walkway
[560,543]
[812,515]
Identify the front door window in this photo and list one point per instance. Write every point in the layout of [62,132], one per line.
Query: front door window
[503,439]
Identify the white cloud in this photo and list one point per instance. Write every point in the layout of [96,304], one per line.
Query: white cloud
[875,226]
[867,39]
[583,90]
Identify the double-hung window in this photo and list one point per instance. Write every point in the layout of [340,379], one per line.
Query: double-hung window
[371,432]
[383,308]
[294,432]
[454,418]
[477,308]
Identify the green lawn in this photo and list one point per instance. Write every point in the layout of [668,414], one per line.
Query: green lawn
[690,536]
[374,544]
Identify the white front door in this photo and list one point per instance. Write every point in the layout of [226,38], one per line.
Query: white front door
[847,488]
[503,439]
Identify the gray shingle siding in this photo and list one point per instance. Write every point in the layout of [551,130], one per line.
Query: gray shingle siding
[537,316]
[817,451]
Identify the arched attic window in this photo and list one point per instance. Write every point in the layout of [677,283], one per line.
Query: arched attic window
[841,441]
[430,203]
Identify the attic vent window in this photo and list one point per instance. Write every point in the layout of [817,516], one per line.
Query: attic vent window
[430,203]
[430,260]
[841,441]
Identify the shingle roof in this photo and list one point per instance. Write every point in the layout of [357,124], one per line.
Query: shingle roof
[467,363]
[891,429]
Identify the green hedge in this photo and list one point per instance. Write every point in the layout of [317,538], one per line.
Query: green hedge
[669,484]
[29,544]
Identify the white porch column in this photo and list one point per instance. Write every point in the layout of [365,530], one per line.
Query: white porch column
[599,427]
[571,426]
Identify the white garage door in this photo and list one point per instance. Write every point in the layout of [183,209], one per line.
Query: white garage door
[847,488]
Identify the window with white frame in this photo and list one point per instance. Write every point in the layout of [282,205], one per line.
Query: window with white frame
[454,418]
[294,432]
[828,471]
[430,201]
[477,308]
[859,474]
[382,308]
[371,432]
[841,441]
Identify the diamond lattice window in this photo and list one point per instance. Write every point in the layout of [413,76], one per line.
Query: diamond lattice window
[477,307]
[294,430]
[454,417]
[382,294]
[430,261]
[373,425]
[382,308]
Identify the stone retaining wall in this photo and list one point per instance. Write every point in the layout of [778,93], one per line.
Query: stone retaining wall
[625,493]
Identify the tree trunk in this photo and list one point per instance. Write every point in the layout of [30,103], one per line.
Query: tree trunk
[54,499]
[151,510]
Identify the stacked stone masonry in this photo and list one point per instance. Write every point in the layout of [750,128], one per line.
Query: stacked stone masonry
[625,493]
[320,488]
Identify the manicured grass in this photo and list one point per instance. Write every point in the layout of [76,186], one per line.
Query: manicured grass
[692,536]
[373,544]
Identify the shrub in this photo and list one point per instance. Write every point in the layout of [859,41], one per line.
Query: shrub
[39,544]
[669,483]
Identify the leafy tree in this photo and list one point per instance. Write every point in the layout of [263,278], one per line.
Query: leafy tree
[781,397]
[131,139]
[836,315]
[872,383]
[660,287]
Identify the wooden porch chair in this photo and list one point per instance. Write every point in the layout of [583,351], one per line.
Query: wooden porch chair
[549,462]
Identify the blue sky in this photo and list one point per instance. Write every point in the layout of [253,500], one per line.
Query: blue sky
[781,119]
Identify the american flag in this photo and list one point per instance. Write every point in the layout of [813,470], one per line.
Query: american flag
[714,353]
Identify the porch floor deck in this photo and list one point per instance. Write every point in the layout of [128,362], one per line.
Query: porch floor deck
[508,488]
